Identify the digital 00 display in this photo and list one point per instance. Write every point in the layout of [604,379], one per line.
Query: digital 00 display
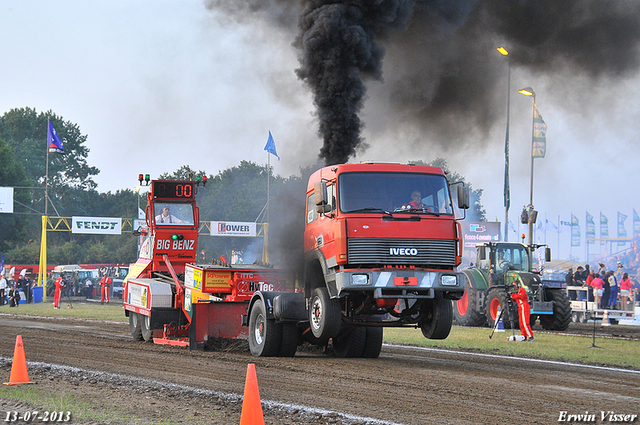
[173,190]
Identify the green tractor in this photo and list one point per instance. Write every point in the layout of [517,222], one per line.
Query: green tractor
[498,265]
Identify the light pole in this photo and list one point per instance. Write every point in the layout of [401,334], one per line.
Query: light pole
[532,214]
[507,193]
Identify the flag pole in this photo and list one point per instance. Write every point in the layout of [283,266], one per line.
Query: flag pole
[42,272]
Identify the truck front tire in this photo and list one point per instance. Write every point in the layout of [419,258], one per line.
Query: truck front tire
[439,318]
[325,314]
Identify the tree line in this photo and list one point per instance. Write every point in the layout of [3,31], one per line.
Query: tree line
[238,193]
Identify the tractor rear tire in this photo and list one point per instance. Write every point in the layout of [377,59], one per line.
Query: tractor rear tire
[561,317]
[497,300]
[325,315]
[265,335]
[134,326]
[465,310]
[439,318]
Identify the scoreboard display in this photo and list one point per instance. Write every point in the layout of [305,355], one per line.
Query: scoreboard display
[173,189]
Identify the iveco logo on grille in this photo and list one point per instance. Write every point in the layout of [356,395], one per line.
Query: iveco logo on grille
[403,251]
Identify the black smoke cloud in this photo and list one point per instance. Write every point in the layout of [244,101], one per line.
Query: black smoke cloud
[442,74]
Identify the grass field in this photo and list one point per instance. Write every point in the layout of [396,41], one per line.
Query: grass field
[548,345]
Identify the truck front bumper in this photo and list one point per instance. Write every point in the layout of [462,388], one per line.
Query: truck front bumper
[404,284]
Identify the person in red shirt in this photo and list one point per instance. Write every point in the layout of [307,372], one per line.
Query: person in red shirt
[59,282]
[416,202]
[524,310]
[597,284]
[104,288]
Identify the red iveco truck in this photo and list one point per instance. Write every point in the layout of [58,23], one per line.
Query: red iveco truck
[382,243]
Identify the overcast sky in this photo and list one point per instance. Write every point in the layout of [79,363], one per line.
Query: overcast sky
[157,85]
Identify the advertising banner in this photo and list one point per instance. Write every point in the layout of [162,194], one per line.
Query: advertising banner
[96,225]
[475,233]
[233,228]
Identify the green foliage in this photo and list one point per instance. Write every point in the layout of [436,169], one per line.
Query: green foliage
[12,174]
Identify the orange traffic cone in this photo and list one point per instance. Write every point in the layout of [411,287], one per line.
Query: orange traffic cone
[251,406]
[19,374]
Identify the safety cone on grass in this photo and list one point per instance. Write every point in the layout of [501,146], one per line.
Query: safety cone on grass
[19,374]
[605,319]
[251,405]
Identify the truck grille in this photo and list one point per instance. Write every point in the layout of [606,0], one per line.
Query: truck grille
[433,252]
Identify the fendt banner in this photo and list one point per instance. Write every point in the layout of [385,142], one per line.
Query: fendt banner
[96,225]
[233,228]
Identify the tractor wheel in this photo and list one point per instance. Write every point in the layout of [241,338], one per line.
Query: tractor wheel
[145,328]
[561,317]
[373,345]
[265,335]
[496,301]
[350,342]
[325,315]
[439,318]
[465,310]
[290,340]
[134,326]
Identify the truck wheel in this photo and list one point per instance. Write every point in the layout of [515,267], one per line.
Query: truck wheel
[439,318]
[290,340]
[373,345]
[465,310]
[561,317]
[325,314]
[265,334]
[145,328]
[134,326]
[496,301]
[350,342]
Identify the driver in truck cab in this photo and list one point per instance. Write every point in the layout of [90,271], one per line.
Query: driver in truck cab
[416,202]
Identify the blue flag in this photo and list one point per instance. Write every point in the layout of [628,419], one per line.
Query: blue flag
[271,146]
[53,140]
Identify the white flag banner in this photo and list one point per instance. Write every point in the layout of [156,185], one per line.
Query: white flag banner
[6,200]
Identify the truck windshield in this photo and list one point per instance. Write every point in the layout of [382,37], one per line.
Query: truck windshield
[173,213]
[393,192]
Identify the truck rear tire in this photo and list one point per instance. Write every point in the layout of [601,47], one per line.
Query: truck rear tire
[465,310]
[561,317]
[290,339]
[350,342]
[439,318]
[265,335]
[134,326]
[373,345]
[325,314]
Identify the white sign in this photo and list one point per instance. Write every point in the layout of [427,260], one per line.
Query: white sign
[233,228]
[96,225]
[6,200]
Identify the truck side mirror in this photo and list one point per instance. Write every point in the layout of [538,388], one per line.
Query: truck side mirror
[320,194]
[463,197]
[547,254]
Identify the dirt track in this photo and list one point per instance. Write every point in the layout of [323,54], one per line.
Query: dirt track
[404,386]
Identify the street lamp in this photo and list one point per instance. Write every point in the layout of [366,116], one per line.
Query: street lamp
[529,212]
[507,194]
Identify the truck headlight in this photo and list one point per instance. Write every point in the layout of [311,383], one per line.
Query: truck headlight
[448,280]
[359,279]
